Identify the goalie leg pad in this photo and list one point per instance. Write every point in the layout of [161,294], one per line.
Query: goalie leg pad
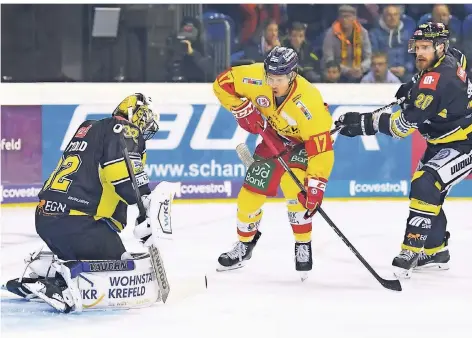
[128,283]
[120,289]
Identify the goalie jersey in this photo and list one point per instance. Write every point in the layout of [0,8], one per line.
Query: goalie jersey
[92,178]
[301,117]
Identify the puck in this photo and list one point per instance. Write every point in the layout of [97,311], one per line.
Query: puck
[206,282]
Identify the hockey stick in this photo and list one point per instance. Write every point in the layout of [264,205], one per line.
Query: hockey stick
[156,259]
[245,156]
[331,132]
[380,110]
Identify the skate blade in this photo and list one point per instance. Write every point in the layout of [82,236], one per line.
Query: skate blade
[401,273]
[303,275]
[221,268]
[433,267]
[35,288]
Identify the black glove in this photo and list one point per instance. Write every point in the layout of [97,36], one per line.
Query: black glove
[355,124]
[404,91]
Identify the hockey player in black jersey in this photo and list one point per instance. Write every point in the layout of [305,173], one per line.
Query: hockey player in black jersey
[83,204]
[86,196]
[439,105]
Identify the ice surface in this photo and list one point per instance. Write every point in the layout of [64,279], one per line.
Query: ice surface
[266,298]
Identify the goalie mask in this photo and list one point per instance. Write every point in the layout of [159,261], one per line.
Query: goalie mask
[137,109]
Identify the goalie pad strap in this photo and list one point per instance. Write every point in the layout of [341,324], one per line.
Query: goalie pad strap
[100,266]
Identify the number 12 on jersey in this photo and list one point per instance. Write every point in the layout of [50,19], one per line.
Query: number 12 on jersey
[58,180]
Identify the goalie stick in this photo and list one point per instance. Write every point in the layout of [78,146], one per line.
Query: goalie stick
[246,157]
[156,258]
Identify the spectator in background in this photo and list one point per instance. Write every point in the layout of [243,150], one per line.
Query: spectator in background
[332,72]
[187,61]
[309,63]
[441,14]
[258,49]
[347,43]
[379,70]
[255,18]
[368,15]
[390,37]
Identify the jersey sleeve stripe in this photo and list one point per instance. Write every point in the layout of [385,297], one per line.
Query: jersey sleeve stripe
[120,181]
[116,171]
[113,161]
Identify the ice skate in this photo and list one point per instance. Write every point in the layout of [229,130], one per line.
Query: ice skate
[437,261]
[237,257]
[303,259]
[404,263]
[52,293]
[16,287]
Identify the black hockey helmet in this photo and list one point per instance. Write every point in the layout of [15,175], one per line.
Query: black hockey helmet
[438,33]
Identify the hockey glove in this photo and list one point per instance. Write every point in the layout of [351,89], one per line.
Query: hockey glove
[142,230]
[405,90]
[248,117]
[315,189]
[356,124]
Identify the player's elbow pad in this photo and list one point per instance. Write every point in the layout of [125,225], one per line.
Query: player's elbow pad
[395,125]
[319,143]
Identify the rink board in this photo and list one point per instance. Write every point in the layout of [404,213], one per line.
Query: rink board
[196,141]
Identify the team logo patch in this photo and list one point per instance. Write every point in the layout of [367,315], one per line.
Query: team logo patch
[249,80]
[82,132]
[304,109]
[442,154]
[137,166]
[430,81]
[461,73]
[131,132]
[263,101]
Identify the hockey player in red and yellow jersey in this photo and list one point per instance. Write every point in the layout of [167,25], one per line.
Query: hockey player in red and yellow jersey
[272,99]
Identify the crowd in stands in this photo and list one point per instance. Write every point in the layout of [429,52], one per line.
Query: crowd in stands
[344,43]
